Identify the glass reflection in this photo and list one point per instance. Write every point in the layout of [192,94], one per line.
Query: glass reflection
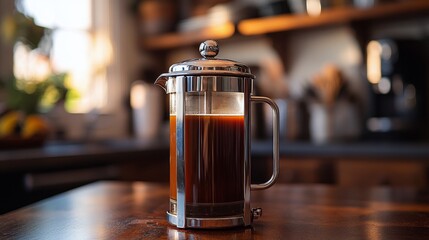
[178,234]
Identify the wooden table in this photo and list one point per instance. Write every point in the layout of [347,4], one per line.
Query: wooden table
[120,210]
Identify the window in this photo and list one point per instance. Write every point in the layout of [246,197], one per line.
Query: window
[81,46]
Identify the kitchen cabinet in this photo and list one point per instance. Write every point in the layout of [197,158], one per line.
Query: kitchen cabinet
[379,172]
[287,22]
[346,164]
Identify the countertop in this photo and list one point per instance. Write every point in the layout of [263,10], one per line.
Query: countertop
[364,149]
[70,153]
[136,210]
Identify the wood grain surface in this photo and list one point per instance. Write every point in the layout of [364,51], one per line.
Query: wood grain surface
[136,210]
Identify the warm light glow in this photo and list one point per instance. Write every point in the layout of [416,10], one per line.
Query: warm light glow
[102,50]
[221,31]
[220,14]
[102,54]
[39,66]
[29,67]
[138,92]
[71,53]
[20,56]
[86,58]
[373,68]
[99,90]
[314,7]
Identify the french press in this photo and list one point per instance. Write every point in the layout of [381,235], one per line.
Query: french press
[210,141]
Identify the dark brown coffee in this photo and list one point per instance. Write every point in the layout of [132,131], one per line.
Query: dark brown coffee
[214,164]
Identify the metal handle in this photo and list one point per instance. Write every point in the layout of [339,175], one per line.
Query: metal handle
[275,109]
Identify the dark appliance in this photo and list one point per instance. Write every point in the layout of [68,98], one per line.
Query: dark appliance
[397,72]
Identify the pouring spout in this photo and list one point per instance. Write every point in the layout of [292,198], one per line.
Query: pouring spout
[162,82]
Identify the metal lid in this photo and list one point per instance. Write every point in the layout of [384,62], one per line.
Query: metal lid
[208,73]
[209,65]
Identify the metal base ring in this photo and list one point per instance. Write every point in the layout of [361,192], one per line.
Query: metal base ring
[220,222]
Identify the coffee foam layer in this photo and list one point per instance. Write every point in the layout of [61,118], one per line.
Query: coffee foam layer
[212,115]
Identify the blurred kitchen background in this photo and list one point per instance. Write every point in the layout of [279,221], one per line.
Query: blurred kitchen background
[78,104]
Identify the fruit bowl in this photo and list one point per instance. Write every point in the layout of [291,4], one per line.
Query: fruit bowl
[18,130]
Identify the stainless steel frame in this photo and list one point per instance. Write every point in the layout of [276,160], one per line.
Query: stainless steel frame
[180,219]
[209,84]
[180,151]
[216,222]
[247,165]
[214,75]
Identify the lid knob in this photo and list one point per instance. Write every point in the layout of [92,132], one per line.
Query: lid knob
[209,49]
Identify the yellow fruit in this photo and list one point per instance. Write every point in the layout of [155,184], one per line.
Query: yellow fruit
[8,123]
[34,125]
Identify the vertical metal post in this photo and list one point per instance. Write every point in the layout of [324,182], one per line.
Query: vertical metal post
[180,151]
[247,169]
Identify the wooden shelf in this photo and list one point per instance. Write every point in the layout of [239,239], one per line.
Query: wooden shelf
[287,22]
[172,40]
